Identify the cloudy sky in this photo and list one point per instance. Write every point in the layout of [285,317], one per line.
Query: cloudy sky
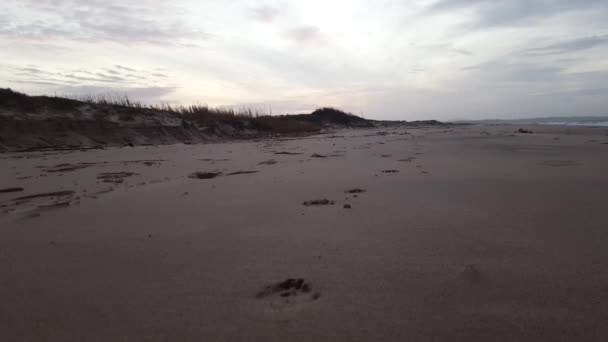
[443,59]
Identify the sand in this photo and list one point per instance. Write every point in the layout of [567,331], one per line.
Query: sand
[468,233]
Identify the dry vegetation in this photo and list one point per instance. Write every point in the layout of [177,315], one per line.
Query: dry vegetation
[200,115]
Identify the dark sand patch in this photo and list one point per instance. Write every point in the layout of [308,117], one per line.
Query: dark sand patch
[204,175]
[316,155]
[66,167]
[289,153]
[390,171]
[142,161]
[407,160]
[115,177]
[560,163]
[46,194]
[56,205]
[151,162]
[241,173]
[105,191]
[5,190]
[30,206]
[214,160]
[268,162]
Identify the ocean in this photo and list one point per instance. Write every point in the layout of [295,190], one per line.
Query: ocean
[577,123]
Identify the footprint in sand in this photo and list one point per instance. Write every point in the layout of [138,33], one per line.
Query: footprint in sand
[290,293]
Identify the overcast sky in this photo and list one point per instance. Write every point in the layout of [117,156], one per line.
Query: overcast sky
[443,59]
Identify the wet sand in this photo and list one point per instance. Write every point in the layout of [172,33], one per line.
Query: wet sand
[470,233]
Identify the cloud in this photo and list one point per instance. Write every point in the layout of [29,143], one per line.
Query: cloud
[96,21]
[511,12]
[400,59]
[499,72]
[569,46]
[305,34]
[265,14]
[118,76]
[145,94]
[122,67]
[4,20]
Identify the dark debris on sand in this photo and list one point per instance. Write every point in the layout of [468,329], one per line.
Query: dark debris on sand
[288,288]
[355,191]
[318,202]
[390,171]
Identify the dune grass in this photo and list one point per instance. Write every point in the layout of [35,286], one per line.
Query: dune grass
[240,117]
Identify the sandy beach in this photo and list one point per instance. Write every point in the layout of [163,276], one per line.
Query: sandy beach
[457,233]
